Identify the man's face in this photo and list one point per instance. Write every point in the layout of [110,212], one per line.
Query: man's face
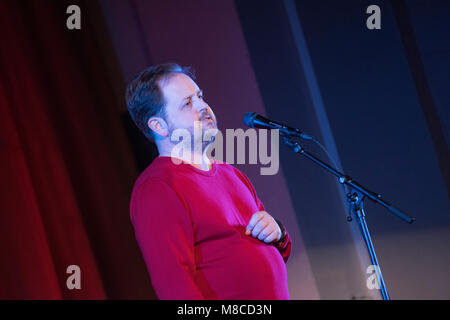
[185,104]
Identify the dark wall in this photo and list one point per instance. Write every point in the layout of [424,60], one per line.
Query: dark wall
[430,22]
[382,135]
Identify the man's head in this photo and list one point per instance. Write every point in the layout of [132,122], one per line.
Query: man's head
[163,98]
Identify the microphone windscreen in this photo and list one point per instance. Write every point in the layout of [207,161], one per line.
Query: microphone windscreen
[248,119]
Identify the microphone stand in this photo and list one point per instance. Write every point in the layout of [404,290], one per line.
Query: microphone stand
[356,200]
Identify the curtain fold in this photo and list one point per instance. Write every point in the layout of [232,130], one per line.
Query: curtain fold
[66,166]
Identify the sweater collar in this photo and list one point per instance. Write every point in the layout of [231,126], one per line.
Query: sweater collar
[185,165]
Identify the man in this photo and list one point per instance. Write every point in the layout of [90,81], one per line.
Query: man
[202,230]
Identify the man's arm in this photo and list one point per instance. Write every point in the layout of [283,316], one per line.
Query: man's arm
[284,245]
[265,228]
[163,230]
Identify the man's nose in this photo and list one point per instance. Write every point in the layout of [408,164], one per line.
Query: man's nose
[202,107]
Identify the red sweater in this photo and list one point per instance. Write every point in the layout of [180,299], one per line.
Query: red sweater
[190,226]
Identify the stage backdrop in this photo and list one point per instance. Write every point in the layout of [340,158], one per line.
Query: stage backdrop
[377,99]
[66,165]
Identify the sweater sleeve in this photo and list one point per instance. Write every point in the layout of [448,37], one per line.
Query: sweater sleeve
[163,230]
[284,246]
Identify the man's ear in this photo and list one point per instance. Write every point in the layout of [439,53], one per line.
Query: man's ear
[159,126]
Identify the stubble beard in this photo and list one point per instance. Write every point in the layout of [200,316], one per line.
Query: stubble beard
[197,139]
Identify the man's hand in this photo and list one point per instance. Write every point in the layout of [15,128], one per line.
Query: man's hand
[263,227]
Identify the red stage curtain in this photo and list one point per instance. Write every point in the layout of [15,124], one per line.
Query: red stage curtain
[65,164]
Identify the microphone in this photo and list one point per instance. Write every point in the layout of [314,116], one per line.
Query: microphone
[254,120]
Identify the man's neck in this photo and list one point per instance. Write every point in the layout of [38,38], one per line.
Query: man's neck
[200,161]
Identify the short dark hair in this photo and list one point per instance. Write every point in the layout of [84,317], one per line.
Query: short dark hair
[144,96]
